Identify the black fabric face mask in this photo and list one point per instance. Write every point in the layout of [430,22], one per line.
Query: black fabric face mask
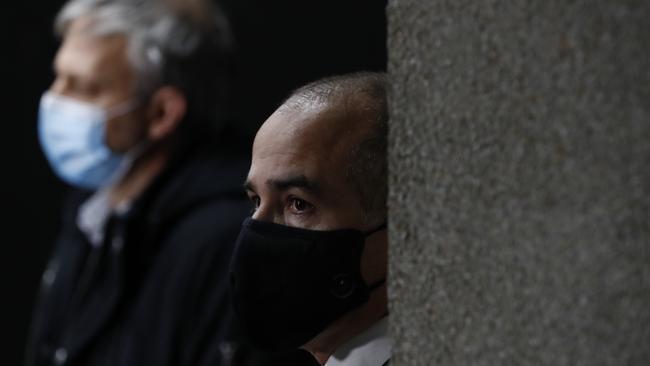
[288,284]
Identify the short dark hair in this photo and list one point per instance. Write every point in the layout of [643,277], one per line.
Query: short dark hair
[367,162]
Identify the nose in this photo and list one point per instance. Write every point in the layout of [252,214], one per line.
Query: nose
[60,85]
[265,212]
[262,213]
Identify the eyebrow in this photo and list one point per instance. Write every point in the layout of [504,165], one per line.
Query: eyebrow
[283,184]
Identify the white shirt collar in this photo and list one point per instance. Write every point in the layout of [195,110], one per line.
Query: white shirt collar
[94,214]
[370,348]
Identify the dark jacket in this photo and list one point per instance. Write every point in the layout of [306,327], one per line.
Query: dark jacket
[155,293]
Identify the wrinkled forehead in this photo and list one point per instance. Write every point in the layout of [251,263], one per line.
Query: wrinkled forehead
[321,130]
[78,35]
[306,142]
[312,145]
[101,55]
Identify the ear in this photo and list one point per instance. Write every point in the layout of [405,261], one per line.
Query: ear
[167,107]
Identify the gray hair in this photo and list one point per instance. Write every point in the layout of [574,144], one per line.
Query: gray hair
[367,162]
[170,42]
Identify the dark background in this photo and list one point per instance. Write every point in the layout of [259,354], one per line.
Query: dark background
[282,44]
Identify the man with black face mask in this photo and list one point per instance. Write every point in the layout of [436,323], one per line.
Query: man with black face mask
[310,264]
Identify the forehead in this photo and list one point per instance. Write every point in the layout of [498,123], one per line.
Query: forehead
[314,142]
[85,54]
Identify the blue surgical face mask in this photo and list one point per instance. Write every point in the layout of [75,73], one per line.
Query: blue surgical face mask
[72,135]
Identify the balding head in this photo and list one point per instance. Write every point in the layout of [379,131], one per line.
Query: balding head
[360,98]
[360,92]
[332,132]
[319,163]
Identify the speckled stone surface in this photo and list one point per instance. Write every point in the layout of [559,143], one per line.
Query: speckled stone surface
[520,182]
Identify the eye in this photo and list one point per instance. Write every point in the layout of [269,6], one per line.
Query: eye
[299,206]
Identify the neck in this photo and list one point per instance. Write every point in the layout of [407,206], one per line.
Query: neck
[348,326]
[145,168]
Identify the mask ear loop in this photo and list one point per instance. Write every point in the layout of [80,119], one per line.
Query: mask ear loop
[122,108]
[378,228]
[379,283]
[134,152]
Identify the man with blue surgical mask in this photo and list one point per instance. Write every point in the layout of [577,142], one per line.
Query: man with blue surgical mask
[134,121]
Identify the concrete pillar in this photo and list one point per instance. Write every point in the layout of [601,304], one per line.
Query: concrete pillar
[519,166]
